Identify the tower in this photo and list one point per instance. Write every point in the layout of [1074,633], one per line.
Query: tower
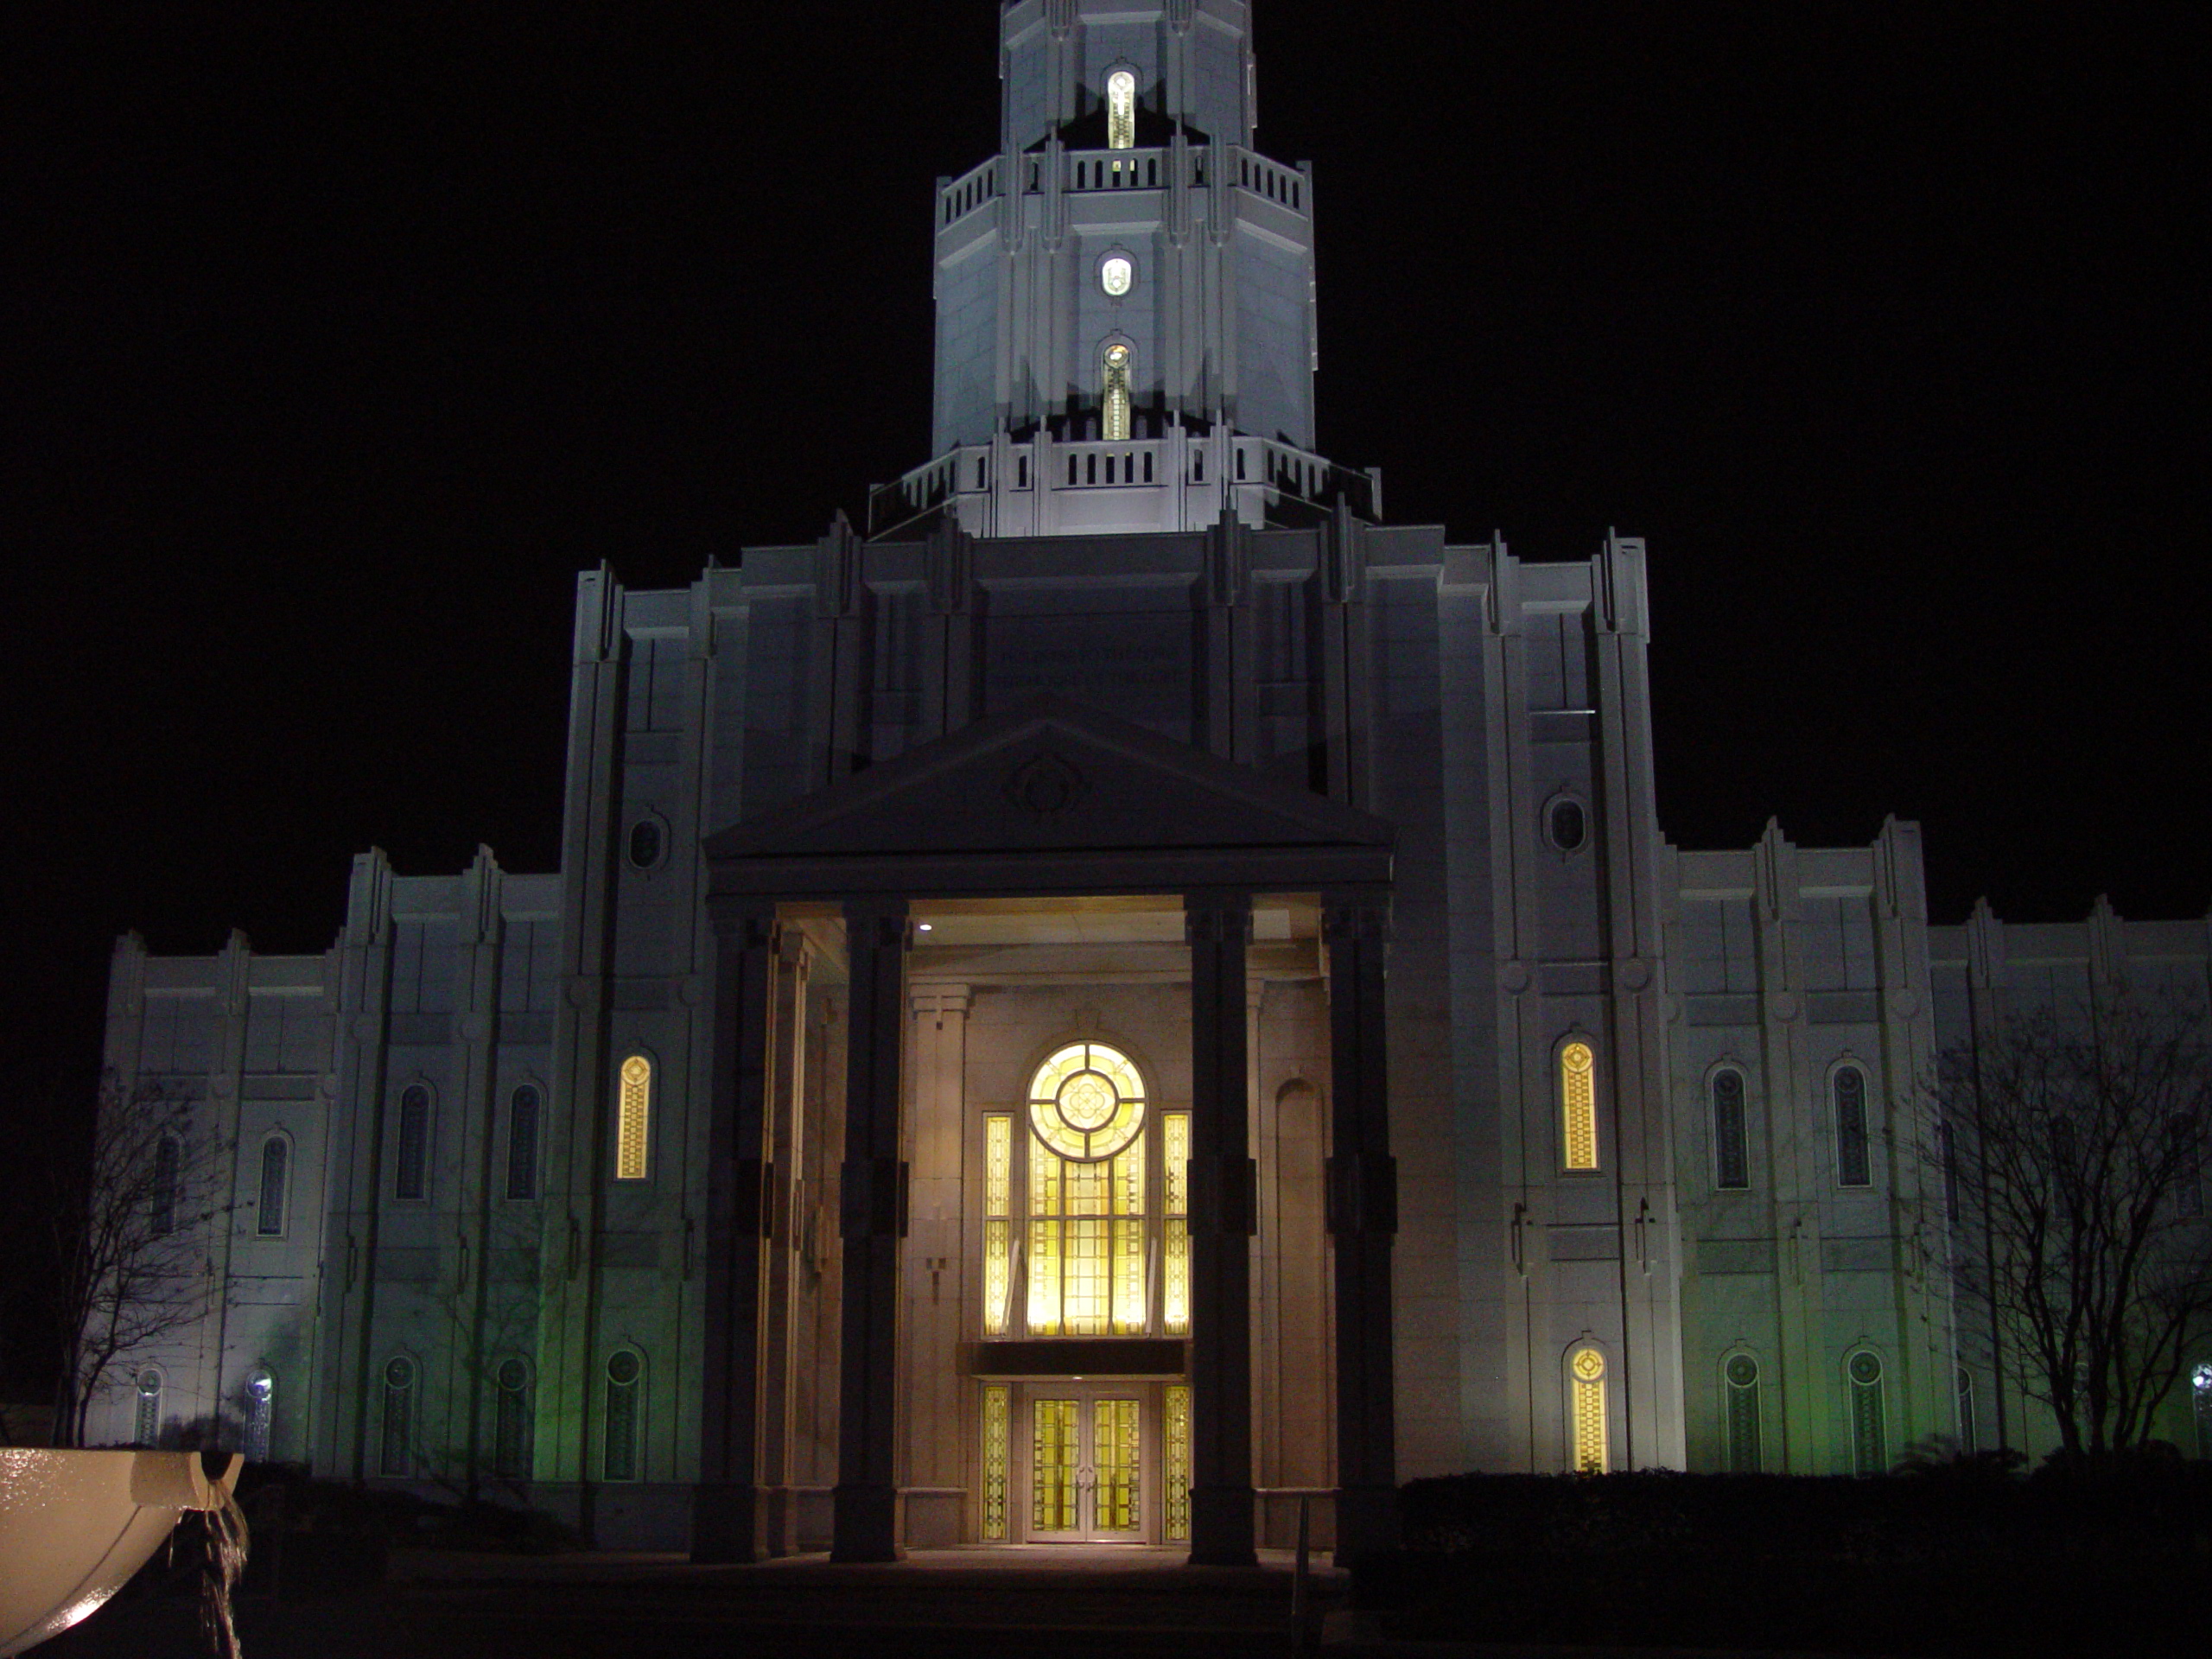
[1126,336]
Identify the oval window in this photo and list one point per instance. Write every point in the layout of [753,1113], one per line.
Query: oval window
[1568,824]
[622,1367]
[1116,273]
[645,843]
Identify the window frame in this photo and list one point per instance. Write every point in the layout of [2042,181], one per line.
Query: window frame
[530,1086]
[277,1141]
[415,1089]
[634,1054]
[1580,1391]
[1561,1107]
[260,1414]
[1735,1068]
[410,1393]
[1749,1394]
[145,1422]
[1851,1063]
[1858,1391]
[635,1391]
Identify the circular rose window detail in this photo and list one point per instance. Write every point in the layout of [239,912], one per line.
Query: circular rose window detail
[1087,1102]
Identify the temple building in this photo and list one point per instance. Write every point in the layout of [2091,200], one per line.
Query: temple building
[1125,993]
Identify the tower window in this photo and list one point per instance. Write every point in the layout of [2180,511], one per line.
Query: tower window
[398,1415]
[1847,1092]
[1577,1093]
[276,1186]
[412,1179]
[1117,273]
[1586,1381]
[1740,1385]
[260,1414]
[169,1163]
[510,1434]
[632,1118]
[1869,1446]
[1968,1441]
[146,1430]
[646,843]
[1121,110]
[522,1143]
[2200,1395]
[1567,824]
[625,1383]
[1731,1153]
[1117,393]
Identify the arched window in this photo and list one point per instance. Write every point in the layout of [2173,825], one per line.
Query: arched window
[522,1143]
[395,1454]
[1586,1371]
[1966,1436]
[625,1374]
[168,1164]
[276,1186]
[1086,1195]
[260,1414]
[1847,1093]
[1565,824]
[634,1118]
[412,1174]
[1121,110]
[1115,426]
[511,1429]
[1731,1158]
[1578,1103]
[1869,1442]
[146,1430]
[2200,1392]
[1739,1387]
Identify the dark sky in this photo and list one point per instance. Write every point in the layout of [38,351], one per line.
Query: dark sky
[340,337]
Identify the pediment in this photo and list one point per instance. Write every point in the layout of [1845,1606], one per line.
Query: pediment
[1047,793]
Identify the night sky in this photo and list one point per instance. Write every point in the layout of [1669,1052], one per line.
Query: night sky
[340,338]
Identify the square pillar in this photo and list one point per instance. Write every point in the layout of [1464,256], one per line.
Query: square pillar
[1225,1208]
[1363,1206]
[726,1508]
[872,1222]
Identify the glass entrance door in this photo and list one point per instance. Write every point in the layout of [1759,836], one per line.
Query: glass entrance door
[1086,1470]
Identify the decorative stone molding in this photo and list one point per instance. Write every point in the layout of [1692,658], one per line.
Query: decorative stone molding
[1513,976]
[1046,786]
[1783,1005]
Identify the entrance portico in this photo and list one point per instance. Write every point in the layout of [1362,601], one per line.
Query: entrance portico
[1051,804]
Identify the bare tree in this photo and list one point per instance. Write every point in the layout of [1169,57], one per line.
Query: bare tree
[2075,1143]
[129,1242]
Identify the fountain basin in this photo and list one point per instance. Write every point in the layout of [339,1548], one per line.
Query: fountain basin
[75,1525]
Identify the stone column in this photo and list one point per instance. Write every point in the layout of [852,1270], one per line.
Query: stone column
[872,1222]
[1224,1207]
[1363,1221]
[786,1137]
[726,1503]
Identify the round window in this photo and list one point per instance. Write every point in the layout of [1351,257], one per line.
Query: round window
[1117,273]
[1087,1102]
[261,1385]
[1742,1370]
[1589,1365]
[1865,1368]
[399,1374]
[514,1375]
[1568,824]
[645,843]
[622,1367]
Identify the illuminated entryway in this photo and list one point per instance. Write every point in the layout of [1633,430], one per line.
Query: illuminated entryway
[1086,1466]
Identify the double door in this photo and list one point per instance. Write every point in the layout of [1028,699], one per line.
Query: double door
[1088,1459]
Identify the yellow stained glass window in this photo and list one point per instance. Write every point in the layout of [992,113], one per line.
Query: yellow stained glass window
[1116,1461]
[632,1118]
[1578,1089]
[998,1224]
[1121,109]
[995,1461]
[1115,426]
[1178,1471]
[1086,1196]
[1588,1383]
[1175,1226]
[1053,1456]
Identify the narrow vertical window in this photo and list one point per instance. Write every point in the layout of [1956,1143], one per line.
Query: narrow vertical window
[998,1224]
[1849,1090]
[1968,1440]
[1577,1094]
[1116,426]
[1740,1385]
[1178,1472]
[1175,1228]
[997,1413]
[624,1380]
[522,1143]
[260,1414]
[1053,1457]
[1869,1443]
[146,1429]
[168,1162]
[276,1160]
[2200,1391]
[398,1416]
[511,1428]
[1121,110]
[412,1178]
[633,1111]
[1732,1153]
[1587,1378]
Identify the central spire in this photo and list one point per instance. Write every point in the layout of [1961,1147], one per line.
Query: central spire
[1126,336]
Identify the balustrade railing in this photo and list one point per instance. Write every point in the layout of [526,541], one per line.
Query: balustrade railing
[1084,171]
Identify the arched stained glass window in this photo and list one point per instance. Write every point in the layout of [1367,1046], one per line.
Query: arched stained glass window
[522,1142]
[511,1428]
[1118,362]
[1586,1381]
[260,1414]
[1740,1386]
[1578,1099]
[1086,1194]
[146,1429]
[1731,1150]
[398,1416]
[1847,1092]
[276,1186]
[169,1163]
[626,1374]
[1121,110]
[1869,1439]
[412,1174]
[632,1118]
